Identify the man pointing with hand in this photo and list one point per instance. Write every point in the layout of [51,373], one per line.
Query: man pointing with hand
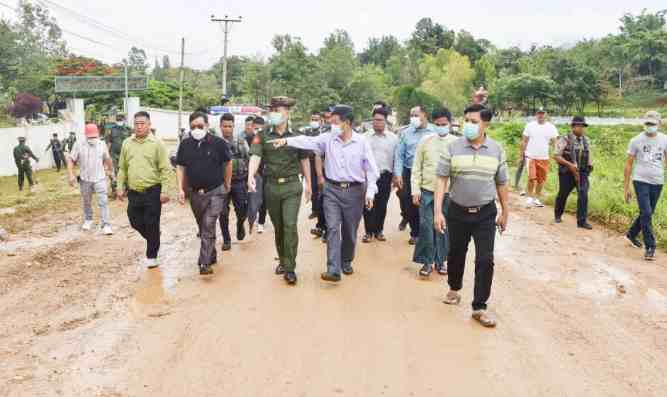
[351,175]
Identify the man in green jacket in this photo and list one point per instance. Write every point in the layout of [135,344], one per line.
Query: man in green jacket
[143,167]
[22,156]
[432,246]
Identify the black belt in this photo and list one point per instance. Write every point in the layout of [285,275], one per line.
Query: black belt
[343,185]
[470,210]
[283,180]
[205,190]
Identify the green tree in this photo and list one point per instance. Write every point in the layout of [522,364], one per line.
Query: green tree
[406,97]
[428,37]
[379,51]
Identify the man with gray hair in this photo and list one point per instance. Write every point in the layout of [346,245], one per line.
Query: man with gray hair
[647,154]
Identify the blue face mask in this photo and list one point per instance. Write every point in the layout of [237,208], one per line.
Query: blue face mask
[652,129]
[276,118]
[471,131]
[442,130]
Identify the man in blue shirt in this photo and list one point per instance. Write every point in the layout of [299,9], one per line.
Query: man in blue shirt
[405,154]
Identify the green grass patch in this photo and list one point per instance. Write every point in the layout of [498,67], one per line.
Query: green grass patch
[606,202]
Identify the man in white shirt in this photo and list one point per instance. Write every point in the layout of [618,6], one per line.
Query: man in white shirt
[95,164]
[538,137]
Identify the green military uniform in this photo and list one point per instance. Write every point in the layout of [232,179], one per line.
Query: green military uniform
[115,137]
[69,142]
[22,155]
[283,190]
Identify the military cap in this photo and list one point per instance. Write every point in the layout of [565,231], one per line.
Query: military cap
[344,111]
[282,101]
[21,138]
[579,120]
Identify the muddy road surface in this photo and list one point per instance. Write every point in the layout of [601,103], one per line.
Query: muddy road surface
[580,314]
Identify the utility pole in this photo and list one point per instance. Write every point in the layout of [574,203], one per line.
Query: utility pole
[126,90]
[227,21]
[180,90]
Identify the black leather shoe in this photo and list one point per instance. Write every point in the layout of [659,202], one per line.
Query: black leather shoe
[558,220]
[402,225]
[367,238]
[586,226]
[649,255]
[347,268]
[333,277]
[316,232]
[226,246]
[633,240]
[426,271]
[413,241]
[205,270]
[280,269]
[240,232]
[290,278]
[380,237]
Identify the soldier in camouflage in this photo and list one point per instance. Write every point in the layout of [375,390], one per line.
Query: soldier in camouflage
[238,193]
[22,156]
[116,135]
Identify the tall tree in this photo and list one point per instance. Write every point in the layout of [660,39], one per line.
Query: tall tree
[448,75]
[428,37]
[379,51]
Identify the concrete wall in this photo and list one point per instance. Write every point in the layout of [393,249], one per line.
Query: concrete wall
[37,138]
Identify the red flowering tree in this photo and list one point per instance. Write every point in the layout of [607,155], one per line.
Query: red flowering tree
[25,105]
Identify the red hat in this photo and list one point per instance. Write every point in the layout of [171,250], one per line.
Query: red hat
[92,131]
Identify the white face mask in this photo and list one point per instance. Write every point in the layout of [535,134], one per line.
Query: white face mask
[92,141]
[415,122]
[314,124]
[198,134]
[335,129]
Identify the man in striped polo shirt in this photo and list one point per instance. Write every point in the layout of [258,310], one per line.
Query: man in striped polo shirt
[475,170]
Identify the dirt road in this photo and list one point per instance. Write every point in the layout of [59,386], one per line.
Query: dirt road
[580,315]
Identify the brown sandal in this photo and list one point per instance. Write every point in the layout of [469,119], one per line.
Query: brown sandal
[484,318]
[452,298]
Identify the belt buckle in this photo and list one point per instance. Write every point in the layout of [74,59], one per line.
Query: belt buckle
[473,210]
[282,180]
[201,191]
[345,185]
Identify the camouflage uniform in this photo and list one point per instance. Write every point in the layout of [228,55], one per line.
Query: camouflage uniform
[22,155]
[115,138]
[238,193]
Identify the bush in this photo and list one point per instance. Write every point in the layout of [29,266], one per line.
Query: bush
[25,105]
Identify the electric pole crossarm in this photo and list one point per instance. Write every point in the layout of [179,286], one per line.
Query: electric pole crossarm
[227,21]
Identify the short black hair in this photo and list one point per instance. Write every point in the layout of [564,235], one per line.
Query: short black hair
[421,107]
[381,111]
[259,120]
[55,134]
[442,112]
[485,113]
[142,114]
[194,116]
[315,113]
[227,117]
[250,118]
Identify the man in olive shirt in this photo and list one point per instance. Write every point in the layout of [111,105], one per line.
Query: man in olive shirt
[22,156]
[283,188]
[143,167]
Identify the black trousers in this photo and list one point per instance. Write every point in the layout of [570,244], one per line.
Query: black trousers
[411,211]
[144,210]
[58,159]
[315,189]
[239,196]
[374,219]
[481,227]
[567,183]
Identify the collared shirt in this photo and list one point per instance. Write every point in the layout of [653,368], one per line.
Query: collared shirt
[350,161]
[90,159]
[407,146]
[282,162]
[143,163]
[204,161]
[429,152]
[579,145]
[474,174]
[384,149]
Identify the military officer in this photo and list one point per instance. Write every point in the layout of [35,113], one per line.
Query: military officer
[57,150]
[22,156]
[115,137]
[283,188]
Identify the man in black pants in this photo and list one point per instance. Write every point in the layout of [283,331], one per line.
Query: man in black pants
[143,167]
[473,188]
[383,144]
[575,165]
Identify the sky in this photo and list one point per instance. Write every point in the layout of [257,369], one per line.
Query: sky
[158,25]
